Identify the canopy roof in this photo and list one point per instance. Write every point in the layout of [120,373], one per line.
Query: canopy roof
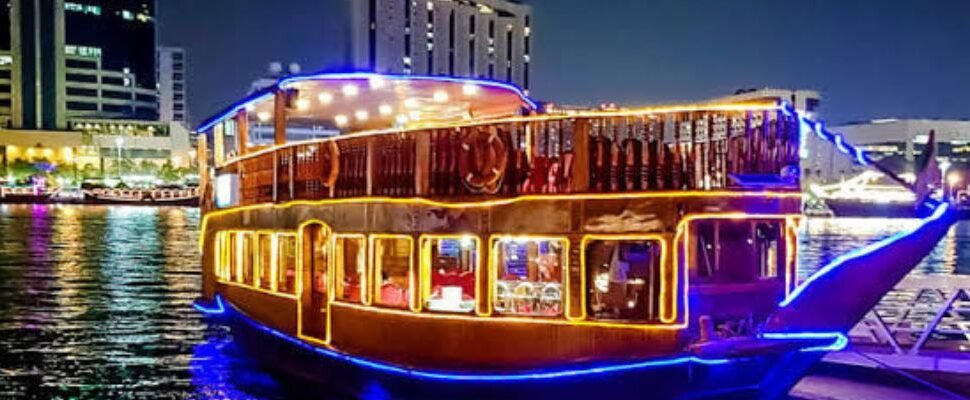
[364,101]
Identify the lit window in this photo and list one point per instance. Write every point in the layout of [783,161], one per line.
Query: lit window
[247,257]
[286,281]
[623,280]
[450,266]
[530,276]
[127,15]
[265,260]
[235,257]
[392,271]
[350,269]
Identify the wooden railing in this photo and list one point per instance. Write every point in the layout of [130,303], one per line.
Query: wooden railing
[693,150]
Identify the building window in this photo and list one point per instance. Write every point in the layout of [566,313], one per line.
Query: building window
[73,91]
[178,76]
[351,269]
[529,276]
[81,106]
[84,78]
[177,56]
[286,281]
[737,251]
[450,266]
[116,95]
[623,279]
[178,87]
[393,264]
[75,63]
[264,263]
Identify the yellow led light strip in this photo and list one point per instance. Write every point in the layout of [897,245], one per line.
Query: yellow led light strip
[300,259]
[498,202]
[425,268]
[682,238]
[729,107]
[496,239]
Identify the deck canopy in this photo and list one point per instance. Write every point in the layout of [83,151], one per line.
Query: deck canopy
[355,102]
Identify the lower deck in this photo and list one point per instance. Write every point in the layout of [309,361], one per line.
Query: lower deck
[519,283]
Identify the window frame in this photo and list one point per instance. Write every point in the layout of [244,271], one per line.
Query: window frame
[425,270]
[371,270]
[567,294]
[668,292]
[296,263]
[364,278]
[258,265]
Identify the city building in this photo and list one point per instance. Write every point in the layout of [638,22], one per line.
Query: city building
[894,142]
[172,102]
[67,59]
[490,39]
[807,101]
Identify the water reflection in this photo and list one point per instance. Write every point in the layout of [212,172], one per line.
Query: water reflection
[95,302]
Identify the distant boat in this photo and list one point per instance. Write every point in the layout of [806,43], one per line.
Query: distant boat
[159,197]
[30,195]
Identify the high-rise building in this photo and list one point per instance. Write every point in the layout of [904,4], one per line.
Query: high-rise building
[172,103]
[77,59]
[490,39]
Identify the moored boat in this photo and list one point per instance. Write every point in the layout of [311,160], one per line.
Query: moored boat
[156,197]
[453,241]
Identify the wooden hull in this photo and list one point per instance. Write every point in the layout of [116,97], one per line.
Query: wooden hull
[667,377]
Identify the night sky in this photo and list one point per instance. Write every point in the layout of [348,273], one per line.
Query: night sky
[869,59]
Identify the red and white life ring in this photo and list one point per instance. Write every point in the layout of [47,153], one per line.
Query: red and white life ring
[483,157]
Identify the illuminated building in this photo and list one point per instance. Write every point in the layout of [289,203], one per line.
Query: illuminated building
[489,39]
[895,142]
[172,100]
[70,59]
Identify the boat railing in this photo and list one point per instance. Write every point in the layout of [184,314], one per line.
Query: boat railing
[920,314]
[689,150]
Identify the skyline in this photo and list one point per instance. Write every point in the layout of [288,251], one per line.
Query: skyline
[901,60]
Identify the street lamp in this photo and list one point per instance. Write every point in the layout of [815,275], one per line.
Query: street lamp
[119,141]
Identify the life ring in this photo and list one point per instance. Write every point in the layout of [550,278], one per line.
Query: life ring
[330,180]
[483,157]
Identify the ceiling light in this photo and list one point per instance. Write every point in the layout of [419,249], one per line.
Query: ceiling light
[302,104]
[411,103]
[440,96]
[469,89]
[350,90]
[325,98]
[263,116]
[401,119]
[385,109]
[377,82]
[341,120]
[361,115]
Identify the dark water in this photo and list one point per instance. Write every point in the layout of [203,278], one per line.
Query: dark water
[95,302]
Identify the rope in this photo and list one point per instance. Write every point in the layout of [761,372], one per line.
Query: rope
[911,377]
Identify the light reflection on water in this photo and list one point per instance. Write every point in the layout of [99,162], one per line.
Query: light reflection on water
[95,302]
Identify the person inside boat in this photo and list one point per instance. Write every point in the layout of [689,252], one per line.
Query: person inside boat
[625,280]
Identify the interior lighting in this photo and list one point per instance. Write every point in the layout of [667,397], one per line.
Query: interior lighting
[303,104]
[469,89]
[263,116]
[350,90]
[377,82]
[440,96]
[325,98]
[401,119]
[341,120]
[385,109]
[361,115]
[411,103]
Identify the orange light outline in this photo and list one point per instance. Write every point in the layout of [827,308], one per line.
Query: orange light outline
[364,281]
[425,269]
[664,295]
[495,239]
[300,259]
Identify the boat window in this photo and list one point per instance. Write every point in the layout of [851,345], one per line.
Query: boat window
[351,263]
[737,251]
[623,280]
[451,266]
[265,260]
[286,281]
[247,258]
[235,257]
[392,271]
[529,276]
[222,250]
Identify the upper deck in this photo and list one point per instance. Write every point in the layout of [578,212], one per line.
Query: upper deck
[356,135]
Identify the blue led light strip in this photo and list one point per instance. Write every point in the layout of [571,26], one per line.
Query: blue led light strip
[818,127]
[284,83]
[839,342]
[938,213]
[220,308]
